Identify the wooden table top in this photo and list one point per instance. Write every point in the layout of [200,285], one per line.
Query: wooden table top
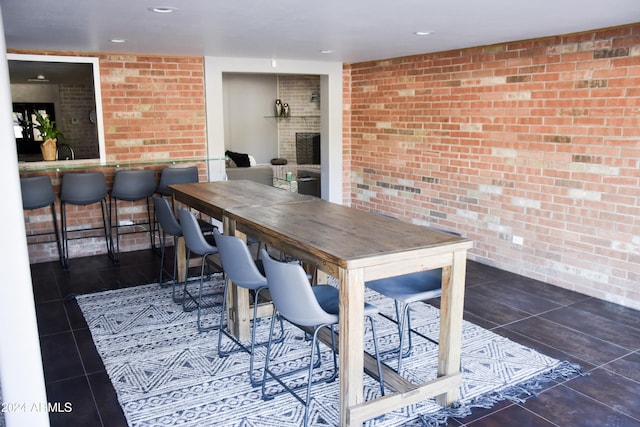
[341,235]
[213,198]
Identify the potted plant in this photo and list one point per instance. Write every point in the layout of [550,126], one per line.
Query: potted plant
[49,133]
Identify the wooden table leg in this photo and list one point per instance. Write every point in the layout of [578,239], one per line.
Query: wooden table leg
[238,306]
[451,311]
[351,341]
[181,247]
[182,266]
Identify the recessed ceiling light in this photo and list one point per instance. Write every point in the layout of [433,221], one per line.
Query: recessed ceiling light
[117,40]
[326,51]
[163,9]
[423,33]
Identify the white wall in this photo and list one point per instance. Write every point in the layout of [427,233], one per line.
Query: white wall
[331,111]
[248,98]
[21,373]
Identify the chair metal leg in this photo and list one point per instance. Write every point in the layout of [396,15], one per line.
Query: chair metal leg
[401,332]
[312,365]
[57,231]
[399,321]
[106,222]
[186,295]
[222,330]
[65,233]
[173,283]
[151,224]
[175,273]
[114,252]
[375,346]
[65,237]
[199,302]
[406,320]
[163,251]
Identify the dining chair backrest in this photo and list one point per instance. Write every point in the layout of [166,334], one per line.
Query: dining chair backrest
[292,295]
[165,217]
[237,262]
[192,233]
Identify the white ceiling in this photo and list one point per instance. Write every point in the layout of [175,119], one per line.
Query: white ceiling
[356,30]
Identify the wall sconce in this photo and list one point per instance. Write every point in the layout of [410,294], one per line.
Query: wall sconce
[315,97]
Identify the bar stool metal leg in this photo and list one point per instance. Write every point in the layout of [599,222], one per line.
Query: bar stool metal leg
[81,189]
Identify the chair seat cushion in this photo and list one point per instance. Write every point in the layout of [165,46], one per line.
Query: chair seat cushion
[410,287]
[328,297]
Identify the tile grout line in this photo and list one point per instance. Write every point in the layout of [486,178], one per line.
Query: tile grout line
[84,369]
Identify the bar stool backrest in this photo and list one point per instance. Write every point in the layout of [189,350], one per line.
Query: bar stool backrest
[83,188]
[133,185]
[170,176]
[37,192]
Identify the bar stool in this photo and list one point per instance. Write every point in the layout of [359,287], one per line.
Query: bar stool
[81,189]
[37,192]
[131,186]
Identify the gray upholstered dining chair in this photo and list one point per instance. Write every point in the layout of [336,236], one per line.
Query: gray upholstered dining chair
[307,306]
[243,271]
[182,175]
[198,244]
[405,290]
[169,226]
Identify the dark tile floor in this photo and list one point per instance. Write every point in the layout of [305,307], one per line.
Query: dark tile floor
[601,337]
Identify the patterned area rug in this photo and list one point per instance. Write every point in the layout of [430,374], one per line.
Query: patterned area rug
[166,373]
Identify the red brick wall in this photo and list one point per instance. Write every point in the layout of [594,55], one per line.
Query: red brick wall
[346,135]
[153,107]
[153,110]
[538,139]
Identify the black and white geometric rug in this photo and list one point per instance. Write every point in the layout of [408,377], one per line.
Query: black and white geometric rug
[167,374]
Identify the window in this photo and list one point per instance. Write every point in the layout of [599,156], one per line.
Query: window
[67,88]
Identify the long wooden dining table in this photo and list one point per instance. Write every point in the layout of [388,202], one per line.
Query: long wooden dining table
[354,246]
[212,199]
